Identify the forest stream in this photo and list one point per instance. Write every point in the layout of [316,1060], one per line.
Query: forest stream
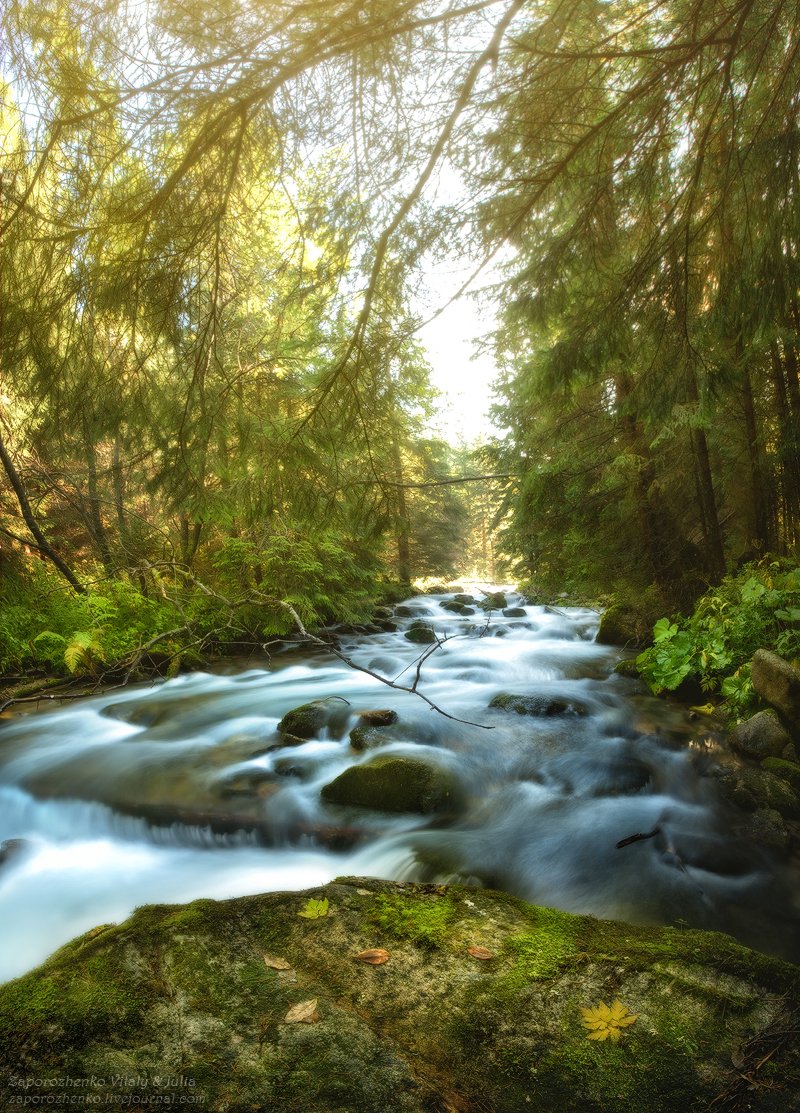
[182,790]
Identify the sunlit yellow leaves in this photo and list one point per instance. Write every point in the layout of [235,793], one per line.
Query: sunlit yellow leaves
[607,1022]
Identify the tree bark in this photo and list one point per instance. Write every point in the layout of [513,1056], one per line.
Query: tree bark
[43,545]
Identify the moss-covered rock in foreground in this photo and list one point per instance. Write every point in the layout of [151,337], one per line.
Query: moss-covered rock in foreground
[183,995]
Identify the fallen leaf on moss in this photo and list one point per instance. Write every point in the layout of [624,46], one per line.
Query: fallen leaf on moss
[606,1022]
[277,963]
[303,1013]
[480,952]
[314,909]
[375,957]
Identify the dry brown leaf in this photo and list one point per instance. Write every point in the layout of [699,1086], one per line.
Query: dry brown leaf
[480,952]
[375,957]
[303,1013]
[277,963]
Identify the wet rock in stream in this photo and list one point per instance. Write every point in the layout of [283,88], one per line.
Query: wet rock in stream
[395,784]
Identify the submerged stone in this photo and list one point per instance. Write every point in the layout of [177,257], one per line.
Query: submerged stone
[197,1001]
[536,705]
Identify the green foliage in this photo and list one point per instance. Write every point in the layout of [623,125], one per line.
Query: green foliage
[314,909]
[755,608]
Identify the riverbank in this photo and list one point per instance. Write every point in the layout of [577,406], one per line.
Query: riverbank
[387,998]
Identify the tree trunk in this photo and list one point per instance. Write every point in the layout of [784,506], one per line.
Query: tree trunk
[95,518]
[715,550]
[42,543]
[761,532]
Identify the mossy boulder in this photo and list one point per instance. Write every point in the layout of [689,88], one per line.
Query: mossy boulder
[760,736]
[788,771]
[751,788]
[420,633]
[622,624]
[515,612]
[308,720]
[536,705]
[394,784]
[196,1002]
[778,684]
[495,601]
[371,729]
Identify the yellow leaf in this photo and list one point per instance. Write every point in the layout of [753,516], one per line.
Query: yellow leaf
[607,1022]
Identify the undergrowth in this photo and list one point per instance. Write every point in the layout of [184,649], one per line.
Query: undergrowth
[756,608]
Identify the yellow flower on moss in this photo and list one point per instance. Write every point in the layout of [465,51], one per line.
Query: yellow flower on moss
[606,1022]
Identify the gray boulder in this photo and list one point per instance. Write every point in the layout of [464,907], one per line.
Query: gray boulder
[778,684]
[760,736]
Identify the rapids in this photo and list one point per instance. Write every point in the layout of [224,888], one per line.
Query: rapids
[180,790]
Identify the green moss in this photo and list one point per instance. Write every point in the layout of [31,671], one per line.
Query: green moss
[786,770]
[425,921]
[543,952]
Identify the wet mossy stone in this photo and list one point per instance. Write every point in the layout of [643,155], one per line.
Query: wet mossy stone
[394,784]
[464,600]
[181,996]
[751,788]
[760,736]
[454,607]
[788,771]
[308,720]
[405,610]
[620,625]
[377,717]
[535,705]
[495,601]
[370,730]
[778,684]
[421,634]
[515,612]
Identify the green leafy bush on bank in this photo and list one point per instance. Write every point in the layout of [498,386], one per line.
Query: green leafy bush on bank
[758,607]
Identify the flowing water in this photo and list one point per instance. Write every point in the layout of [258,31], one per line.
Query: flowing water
[182,790]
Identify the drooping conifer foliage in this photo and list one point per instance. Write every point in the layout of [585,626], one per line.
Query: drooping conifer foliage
[214,218]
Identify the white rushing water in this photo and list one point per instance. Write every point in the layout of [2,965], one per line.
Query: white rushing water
[181,790]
